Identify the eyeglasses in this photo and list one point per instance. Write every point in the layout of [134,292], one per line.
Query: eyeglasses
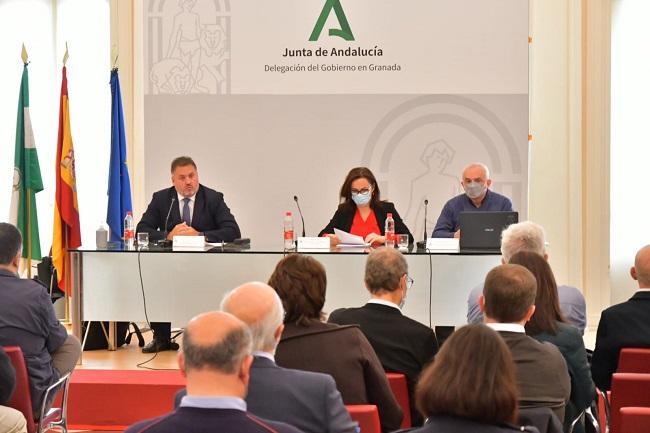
[363,191]
[409,281]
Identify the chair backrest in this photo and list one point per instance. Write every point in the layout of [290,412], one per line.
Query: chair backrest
[367,416]
[634,360]
[543,418]
[635,419]
[628,390]
[21,400]
[397,382]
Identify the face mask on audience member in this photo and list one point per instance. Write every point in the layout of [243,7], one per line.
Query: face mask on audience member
[361,199]
[474,189]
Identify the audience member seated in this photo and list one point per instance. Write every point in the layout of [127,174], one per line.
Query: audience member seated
[548,324]
[507,304]
[307,343]
[402,344]
[623,325]
[27,320]
[216,361]
[11,420]
[306,400]
[528,236]
[470,391]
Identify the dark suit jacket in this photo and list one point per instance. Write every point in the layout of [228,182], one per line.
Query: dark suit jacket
[196,420]
[622,325]
[303,399]
[542,374]
[7,377]
[402,344]
[344,215]
[211,216]
[452,424]
[572,347]
[345,354]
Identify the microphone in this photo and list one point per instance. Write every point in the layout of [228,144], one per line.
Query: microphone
[422,245]
[295,198]
[167,217]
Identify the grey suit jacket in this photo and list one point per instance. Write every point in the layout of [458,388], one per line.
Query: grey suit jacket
[308,401]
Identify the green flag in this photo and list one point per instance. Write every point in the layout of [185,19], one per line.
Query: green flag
[27,177]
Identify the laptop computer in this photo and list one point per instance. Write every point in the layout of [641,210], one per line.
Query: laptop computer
[480,232]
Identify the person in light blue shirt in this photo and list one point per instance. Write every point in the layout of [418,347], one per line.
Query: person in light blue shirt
[477,198]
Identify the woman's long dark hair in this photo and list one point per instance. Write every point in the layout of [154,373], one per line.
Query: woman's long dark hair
[345,196]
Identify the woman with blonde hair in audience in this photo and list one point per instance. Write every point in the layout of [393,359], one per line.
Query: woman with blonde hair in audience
[470,386]
[548,324]
[308,343]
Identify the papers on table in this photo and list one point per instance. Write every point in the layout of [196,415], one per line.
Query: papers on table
[349,240]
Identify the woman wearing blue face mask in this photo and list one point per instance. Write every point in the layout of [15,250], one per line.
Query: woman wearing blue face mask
[361,212]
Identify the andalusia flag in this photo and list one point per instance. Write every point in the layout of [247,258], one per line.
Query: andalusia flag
[67,232]
[27,175]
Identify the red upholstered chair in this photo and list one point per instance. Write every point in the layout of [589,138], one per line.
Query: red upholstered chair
[22,399]
[628,390]
[397,382]
[634,360]
[635,419]
[367,416]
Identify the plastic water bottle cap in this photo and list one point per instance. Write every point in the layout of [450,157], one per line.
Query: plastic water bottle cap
[390,215]
[288,213]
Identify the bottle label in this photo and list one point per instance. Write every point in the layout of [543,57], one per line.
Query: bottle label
[129,234]
[288,235]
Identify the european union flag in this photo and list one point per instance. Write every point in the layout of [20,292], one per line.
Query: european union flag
[119,187]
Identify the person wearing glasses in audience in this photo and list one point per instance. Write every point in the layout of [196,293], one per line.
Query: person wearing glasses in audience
[361,211]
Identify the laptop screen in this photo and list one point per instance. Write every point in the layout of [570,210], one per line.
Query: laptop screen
[481,231]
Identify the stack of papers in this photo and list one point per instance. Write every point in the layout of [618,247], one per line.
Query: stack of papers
[349,240]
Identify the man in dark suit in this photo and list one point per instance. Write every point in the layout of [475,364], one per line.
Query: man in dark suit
[507,304]
[623,325]
[306,400]
[402,344]
[215,360]
[185,209]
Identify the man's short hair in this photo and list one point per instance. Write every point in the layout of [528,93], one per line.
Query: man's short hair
[263,329]
[508,293]
[225,356]
[11,243]
[523,236]
[384,268]
[182,161]
[480,165]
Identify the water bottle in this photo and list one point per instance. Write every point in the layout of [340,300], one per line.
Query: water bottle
[288,232]
[389,231]
[129,231]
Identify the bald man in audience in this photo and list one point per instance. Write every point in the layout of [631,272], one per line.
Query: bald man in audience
[507,304]
[530,237]
[478,197]
[215,360]
[623,325]
[306,400]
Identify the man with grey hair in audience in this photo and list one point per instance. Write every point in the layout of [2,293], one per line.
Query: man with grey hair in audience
[478,197]
[402,344]
[307,400]
[528,236]
[216,361]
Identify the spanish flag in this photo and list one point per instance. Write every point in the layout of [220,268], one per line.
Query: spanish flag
[67,232]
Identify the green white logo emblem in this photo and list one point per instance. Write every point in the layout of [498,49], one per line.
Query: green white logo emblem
[344,32]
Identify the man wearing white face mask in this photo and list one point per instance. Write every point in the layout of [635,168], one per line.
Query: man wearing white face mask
[402,344]
[477,198]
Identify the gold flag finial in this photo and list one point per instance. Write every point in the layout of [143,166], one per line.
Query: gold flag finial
[23,54]
[65,56]
[114,55]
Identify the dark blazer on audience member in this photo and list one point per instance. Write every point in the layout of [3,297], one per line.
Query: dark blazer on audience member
[303,399]
[622,325]
[542,374]
[7,377]
[344,216]
[402,344]
[345,354]
[211,216]
[572,348]
[197,420]
[452,424]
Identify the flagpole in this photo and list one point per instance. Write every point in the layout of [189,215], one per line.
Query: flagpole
[29,233]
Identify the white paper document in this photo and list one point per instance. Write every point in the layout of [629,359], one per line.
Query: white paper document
[349,240]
